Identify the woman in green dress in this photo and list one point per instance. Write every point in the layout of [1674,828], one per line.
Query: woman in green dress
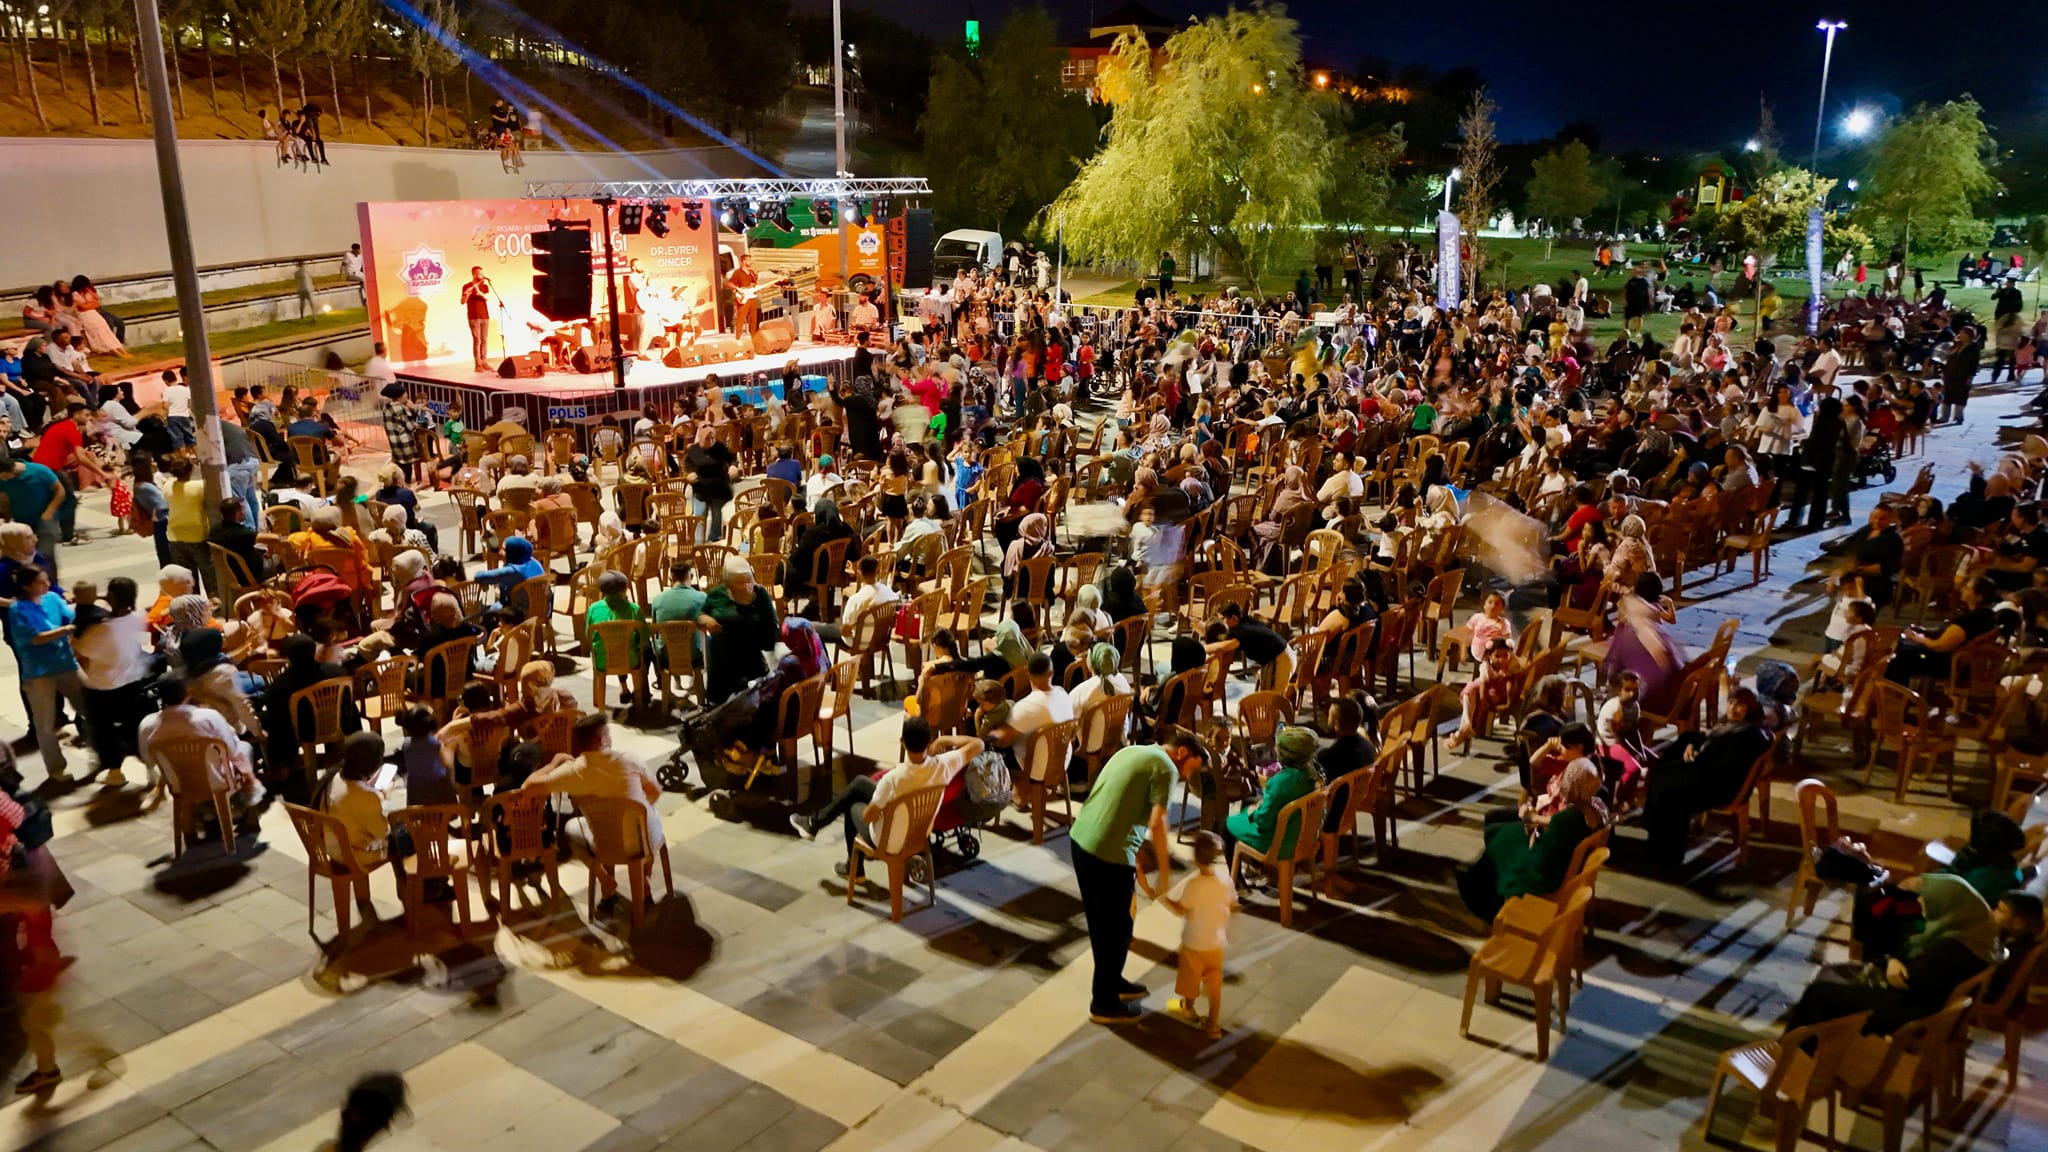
[1530,856]
[1297,777]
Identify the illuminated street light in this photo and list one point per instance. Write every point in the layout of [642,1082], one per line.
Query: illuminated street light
[1752,145]
[1859,123]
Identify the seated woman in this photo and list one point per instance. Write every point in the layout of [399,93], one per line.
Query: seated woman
[1989,862]
[1919,654]
[1698,772]
[756,734]
[1298,776]
[1958,938]
[825,527]
[1543,718]
[1531,855]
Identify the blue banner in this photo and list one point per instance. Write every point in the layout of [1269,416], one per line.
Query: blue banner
[1448,273]
[1816,231]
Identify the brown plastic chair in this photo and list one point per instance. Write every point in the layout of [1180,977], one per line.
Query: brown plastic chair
[381,690]
[836,702]
[1100,731]
[1260,715]
[1893,1075]
[1044,764]
[1756,784]
[1898,715]
[316,712]
[619,838]
[317,831]
[1527,915]
[902,833]
[552,730]
[188,768]
[1814,838]
[447,664]
[868,640]
[434,857]
[677,640]
[943,700]
[1305,817]
[1787,1078]
[2007,1013]
[1532,964]
[538,596]
[624,655]
[520,816]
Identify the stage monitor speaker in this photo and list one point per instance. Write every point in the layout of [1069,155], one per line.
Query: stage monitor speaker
[673,358]
[527,367]
[715,348]
[588,360]
[917,248]
[774,337]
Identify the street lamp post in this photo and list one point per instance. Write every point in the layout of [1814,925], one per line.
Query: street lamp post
[1827,57]
[1456,175]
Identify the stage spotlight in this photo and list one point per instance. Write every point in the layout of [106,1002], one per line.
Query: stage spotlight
[781,217]
[657,218]
[693,215]
[629,219]
[750,215]
[860,215]
[821,211]
[729,216]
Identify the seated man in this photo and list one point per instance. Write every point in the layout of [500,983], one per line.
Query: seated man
[873,590]
[595,769]
[1046,704]
[929,762]
[179,720]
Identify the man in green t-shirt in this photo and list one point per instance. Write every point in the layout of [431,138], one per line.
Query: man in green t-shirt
[1125,806]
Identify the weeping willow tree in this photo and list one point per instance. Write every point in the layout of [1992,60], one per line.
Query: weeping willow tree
[1215,144]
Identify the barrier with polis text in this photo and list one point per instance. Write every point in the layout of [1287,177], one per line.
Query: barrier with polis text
[419,254]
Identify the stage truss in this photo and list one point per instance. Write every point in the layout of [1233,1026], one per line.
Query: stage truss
[766,189]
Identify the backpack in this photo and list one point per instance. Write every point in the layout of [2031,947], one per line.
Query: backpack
[988,779]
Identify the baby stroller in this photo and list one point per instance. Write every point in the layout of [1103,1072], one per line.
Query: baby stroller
[972,801]
[1875,460]
[705,736]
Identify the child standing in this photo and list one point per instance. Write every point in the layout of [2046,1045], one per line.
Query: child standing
[426,773]
[1205,902]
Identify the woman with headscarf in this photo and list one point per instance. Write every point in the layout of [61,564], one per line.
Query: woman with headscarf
[1631,556]
[804,659]
[1816,459]
[740,627]
[1884,913]
[1105,679]
[519,566]
[1144,490]
[1033,540]
[1216,466]
[1197,491]
[1294,493]
[303,668]
[825,527]
[1642,643]
[1298,776]
[1530,856]
[184,615]
[393,530]
[1697,772]
[213,682]
[1957,939]
[1088,612]
[172,581]
[1120,598]
[415,587]
[391,489]
[1022,501]
[341,548]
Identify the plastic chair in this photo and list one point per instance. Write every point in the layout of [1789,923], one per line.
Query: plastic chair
[329,854]
[2007,1013]
[943,700]
[1814,838]
[447,665]
[624,655]
[677,641]
[1737,810]
[836,702]
[902,833]
[316,712]
[1100,731]
[1895,1074]
[514,831]
[1786,1077]
[435,857]
[1899,714]
[619,838]
[189,769]
[1533,964]
[1044,765]
[1304,817]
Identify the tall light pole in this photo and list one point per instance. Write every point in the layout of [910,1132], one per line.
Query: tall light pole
[1456,175]
[184,270]
[1827,57]
[838,94]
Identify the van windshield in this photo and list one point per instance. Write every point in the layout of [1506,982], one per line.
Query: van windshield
[958,249]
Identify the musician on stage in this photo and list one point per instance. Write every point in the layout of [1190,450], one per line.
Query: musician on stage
[632,306]
[746,311]
[476,302]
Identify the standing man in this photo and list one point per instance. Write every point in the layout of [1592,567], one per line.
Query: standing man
[302,282]
[1958,374]
[476,303]
[1125,807]
[631,315]
[352,270]
[1166,271]
[746,298]
[177,396]
[62,450]
[35,497]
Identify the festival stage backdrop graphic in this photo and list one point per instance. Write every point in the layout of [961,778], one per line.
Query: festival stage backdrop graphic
[417,257]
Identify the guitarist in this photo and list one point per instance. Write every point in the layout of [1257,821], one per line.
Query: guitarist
[746,312]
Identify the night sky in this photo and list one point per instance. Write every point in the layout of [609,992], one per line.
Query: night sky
[1651,74]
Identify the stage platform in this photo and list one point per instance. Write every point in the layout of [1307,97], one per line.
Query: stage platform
[557,398]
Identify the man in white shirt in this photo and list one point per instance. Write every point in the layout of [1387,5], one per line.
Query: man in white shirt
[178,410]
[873,590]
[379,367]
[178,720]
[1046,704]
[352,269]
[114,669]
[929,762]
[1826,366]
[596,769]
[1581,290]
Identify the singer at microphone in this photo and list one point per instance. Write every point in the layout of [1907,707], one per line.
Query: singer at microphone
[476,302]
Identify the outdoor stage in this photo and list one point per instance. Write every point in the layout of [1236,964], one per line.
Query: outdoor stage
[561,397]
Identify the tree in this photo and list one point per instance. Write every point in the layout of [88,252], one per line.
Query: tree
[1771,220]
[1359,193]
[82,14]
[275,27]
[1477,160]
[1924,174]
[339,29]
[1224,146]
[1001,138]
[430,57]
[1565,186]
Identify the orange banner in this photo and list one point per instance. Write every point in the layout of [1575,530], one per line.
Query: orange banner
[419,254]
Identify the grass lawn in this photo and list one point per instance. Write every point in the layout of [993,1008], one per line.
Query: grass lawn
[1523,262]
[242,340]
[164,305]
